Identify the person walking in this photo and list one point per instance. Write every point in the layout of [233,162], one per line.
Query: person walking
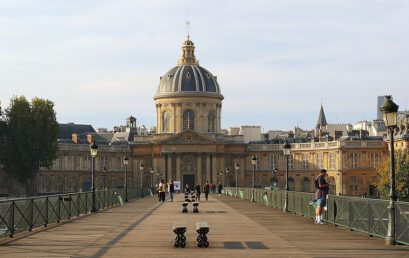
[213,188]
[187,189]
[321,195]
[161,190]
[198,191]
[219,188]
[171,190]
[206,190]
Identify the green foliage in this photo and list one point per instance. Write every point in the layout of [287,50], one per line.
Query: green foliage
[31,138]
[401,176]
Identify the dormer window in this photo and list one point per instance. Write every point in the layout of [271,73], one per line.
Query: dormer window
[208,75]
[188,75]
[169,76]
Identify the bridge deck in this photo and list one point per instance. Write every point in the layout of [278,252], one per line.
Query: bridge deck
[143,228]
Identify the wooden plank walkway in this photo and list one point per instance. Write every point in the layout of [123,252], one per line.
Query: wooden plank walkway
[238,229]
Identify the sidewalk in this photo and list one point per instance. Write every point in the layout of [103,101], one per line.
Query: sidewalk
[143,228]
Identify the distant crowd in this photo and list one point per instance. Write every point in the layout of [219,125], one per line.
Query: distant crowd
[169,187]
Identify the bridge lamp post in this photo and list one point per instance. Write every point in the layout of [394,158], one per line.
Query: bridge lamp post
[126,162]
[104,174]
[253,162]
[94,152]
[390,111]
[151,171]
[236,170]
[286,152]
[141,167]
[227,176]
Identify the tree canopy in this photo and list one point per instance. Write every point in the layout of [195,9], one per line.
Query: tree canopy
[30,141]
[401,176]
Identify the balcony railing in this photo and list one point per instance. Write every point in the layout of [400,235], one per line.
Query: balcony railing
[361,214]
[24,214]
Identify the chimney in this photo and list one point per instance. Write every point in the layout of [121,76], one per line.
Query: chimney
[337,135]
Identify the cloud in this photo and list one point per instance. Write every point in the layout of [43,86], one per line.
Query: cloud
[100,61]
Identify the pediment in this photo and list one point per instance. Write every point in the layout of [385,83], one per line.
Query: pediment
[188,137]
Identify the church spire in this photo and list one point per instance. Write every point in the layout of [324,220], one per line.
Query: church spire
[322,121]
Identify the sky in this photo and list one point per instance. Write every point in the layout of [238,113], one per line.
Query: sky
[276,61]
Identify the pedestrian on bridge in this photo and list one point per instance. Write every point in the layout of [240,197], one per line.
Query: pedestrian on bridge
[161,190]
[321,195]
[198,191]
[171,190]
[206,190]
[219,188]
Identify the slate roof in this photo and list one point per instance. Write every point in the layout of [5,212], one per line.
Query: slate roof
[66,130]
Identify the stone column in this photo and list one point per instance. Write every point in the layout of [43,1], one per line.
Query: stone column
[169,169]
[199,177]
[214,169]
[178,169]
[163,167]
[208,168]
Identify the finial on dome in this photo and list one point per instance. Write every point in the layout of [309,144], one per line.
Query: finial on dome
[188,49]
[187,23]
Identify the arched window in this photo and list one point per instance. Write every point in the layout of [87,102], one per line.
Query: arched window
[210,122]
[306,185]
[166,122]
[291,184]
[188,120]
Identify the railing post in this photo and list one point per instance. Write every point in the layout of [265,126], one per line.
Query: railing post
[46,212]
[31,215]
[69,206]
[58,208]
[12,229]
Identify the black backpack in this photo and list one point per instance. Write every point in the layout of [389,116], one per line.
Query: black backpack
[316,183]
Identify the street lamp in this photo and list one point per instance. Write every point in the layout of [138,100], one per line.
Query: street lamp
[286,152]
[126,161]
[104,174]
[94,151]
[141,167]
[227,176]
[236,170]
[390,111]
[274,177]
[151,171]
[253,162]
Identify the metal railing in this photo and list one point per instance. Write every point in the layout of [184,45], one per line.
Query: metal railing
[361,214]
[25,214]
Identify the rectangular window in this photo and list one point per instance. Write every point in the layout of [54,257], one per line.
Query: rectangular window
[290,162]
[354,160]
[87,162]
[305,161]
[374,160]
[320,160]
[332,161]
[273,161]
[103,161]
[258,162]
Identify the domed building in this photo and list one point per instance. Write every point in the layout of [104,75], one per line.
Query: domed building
[188,97]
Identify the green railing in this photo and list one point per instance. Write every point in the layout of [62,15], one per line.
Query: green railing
[361,214]
[20,215]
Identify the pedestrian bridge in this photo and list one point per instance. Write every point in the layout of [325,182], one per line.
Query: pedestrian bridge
[238,228]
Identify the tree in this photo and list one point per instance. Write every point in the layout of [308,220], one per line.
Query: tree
[401,176]
[30,139]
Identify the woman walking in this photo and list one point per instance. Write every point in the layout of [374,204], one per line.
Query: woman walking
[161,190]
[206,189]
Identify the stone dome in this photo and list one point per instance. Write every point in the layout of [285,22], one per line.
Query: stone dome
[188,78]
